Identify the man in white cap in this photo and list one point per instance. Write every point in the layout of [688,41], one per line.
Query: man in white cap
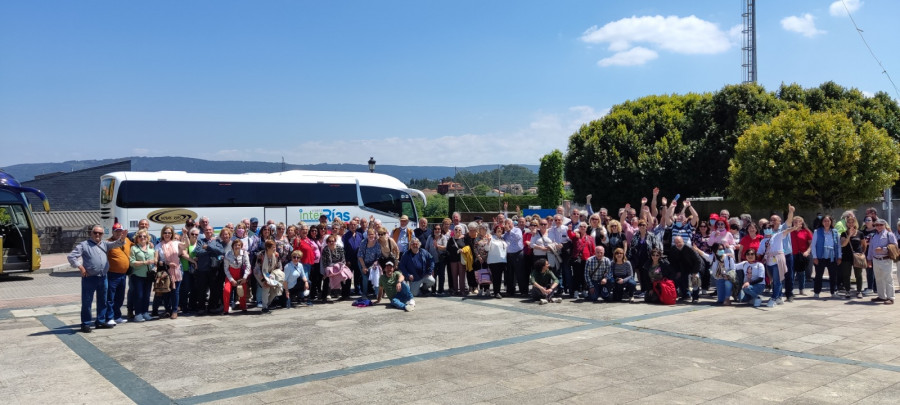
[391,285]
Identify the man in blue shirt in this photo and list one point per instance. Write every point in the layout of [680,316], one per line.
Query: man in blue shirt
[417,266]
[90,257]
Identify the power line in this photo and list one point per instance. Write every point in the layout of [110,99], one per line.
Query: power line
[860,32]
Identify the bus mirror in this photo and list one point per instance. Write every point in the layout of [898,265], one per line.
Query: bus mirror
[46,205]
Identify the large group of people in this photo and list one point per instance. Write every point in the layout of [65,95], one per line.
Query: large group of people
[658,254]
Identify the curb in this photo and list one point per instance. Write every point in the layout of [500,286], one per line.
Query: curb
[59,268]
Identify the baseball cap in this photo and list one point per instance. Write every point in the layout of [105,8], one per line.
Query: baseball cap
[254,220]
[389,263]
[117,227]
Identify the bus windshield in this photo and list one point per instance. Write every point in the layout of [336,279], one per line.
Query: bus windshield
[13,215]
[390,201]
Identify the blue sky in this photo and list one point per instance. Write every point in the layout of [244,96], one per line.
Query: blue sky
[409,82]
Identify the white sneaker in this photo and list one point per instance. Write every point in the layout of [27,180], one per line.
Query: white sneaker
[780,301]
[575,295]
[771,303]
[542,301]
[139,318]
[411,302]
[410,307]
[557,300]
[757,302]
[816,295]
[704,292]
[111,323]
[147,316]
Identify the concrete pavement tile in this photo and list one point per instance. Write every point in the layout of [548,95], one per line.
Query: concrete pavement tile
[851,388]
[668,398]
[537,396]
[795,345]
[777,390]
[887,396]
[706,389]
[820,338]
[371,389]
[485,392]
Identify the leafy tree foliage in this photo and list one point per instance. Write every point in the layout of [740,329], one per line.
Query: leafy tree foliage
[813,159]
[437,206]
[550,179]
[684,143]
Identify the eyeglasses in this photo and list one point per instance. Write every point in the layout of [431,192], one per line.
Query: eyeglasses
[381,234]
[195,234]
[97,233]
[544,224]
[167,233]
[619,254]
[295,258]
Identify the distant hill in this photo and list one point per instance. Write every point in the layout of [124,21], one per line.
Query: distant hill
[25,172]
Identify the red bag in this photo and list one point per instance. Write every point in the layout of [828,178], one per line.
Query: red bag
[665,288]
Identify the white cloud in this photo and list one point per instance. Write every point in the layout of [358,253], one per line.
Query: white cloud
[868,94]
[544,132]
[837,8]
[688,35]
[632,57]
[804,25]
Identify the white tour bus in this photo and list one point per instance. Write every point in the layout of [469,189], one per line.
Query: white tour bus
[170,198]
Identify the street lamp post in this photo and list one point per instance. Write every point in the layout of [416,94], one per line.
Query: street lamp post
[371,165]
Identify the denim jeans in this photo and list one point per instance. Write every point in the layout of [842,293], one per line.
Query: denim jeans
[789,276]
[598,291]
[723,290]
[776,281]
[798,270]
[751,292]
[139,294]
[402,297]
[440,271]
[173,299]
[115,294]
[619,292]
[187,287]
[833,276]
[94,286]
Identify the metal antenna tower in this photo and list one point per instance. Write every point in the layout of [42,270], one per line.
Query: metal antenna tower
[748,61]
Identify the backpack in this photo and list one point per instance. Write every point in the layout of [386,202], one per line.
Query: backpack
[666,291]
[161,284]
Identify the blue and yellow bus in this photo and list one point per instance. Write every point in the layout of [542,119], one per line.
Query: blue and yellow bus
[18,236]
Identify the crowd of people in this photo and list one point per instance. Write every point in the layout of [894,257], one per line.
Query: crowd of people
[659,254]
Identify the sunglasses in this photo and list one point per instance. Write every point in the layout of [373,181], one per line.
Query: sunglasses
[97,233]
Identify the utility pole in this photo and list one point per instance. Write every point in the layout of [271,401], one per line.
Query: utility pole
[748,62]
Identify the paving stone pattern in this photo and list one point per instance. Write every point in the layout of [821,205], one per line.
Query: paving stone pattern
[459,351]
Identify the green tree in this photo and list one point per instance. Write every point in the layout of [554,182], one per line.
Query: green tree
[812,159]
[550,179]
[437,206]
[481,189]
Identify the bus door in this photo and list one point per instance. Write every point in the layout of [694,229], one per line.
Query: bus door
[277,214]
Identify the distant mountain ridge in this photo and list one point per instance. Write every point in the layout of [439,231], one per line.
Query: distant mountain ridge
[27,171]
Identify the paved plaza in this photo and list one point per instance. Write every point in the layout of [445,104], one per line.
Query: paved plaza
[452,351]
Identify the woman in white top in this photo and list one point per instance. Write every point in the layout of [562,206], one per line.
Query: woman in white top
[722,268]
[267,275]
[237,269]
[754,279]
[496,258]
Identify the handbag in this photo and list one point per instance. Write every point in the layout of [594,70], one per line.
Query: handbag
[893,251]
[483,276]
[859,261]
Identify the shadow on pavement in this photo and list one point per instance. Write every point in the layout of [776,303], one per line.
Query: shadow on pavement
[15,278]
